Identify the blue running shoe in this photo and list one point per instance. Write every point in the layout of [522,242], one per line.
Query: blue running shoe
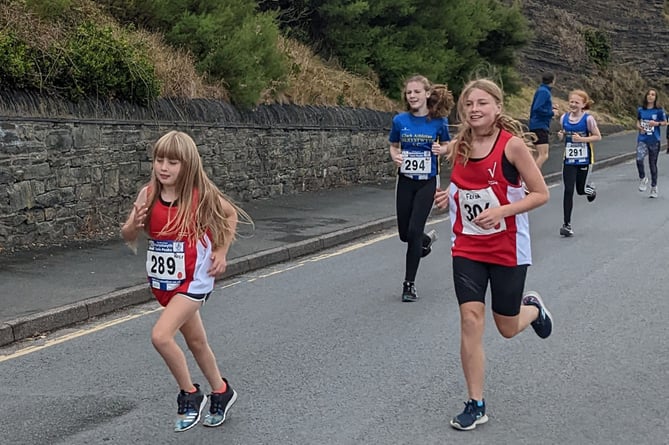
[190,408]
[474,414]
[219,404]
[543,325]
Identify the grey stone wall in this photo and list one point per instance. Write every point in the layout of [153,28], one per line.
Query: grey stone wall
[75,177]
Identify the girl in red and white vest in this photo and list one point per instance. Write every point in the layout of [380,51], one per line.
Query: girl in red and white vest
[490,232]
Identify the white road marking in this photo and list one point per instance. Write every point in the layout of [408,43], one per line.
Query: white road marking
[312,259]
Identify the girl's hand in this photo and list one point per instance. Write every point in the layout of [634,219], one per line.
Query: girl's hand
[436,148]
[397,159]
[139,215]
[441,199]
[577,138]
[218,263]
[489,218]
[136,220]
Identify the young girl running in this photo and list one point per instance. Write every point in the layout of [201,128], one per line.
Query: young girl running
[190,225]
[650,116]
[490,240]
[579,130]
[417,138]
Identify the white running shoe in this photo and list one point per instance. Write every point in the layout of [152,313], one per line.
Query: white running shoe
[653,192]
[643,184]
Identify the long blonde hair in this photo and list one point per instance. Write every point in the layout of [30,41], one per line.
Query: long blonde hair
[199,210]
[463,145]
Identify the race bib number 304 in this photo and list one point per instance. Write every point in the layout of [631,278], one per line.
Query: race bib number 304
[472,203]
[416,162]
[166,264]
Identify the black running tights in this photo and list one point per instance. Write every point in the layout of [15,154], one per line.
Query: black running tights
[414,200]
[573,175]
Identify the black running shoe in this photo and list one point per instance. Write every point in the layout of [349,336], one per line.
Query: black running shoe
[543,325]
[472,415]
[219,404]
[190,408]
[428,239]
[566,230]
[409,292]
[590,192]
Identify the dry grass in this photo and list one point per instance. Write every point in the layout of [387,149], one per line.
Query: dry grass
[519,104]
[312,81]
[176,71]
[15,18]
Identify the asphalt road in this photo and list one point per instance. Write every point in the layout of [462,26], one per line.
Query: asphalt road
[322,351]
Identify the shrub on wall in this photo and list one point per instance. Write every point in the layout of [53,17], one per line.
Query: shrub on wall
[234,45]
[17,66]
[92,61]
[96,63]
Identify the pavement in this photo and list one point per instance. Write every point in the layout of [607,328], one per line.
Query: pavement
[50,289]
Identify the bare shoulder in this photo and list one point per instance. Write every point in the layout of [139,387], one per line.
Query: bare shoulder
[515,147]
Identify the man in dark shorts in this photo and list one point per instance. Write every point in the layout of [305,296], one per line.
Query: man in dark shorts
[542,112]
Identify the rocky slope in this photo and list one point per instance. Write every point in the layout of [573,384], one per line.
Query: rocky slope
[637,30]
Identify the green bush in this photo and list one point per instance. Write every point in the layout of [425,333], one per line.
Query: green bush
[96,63]
[598,47]
[91,62]
[445,40]
[17,65]
[235,45]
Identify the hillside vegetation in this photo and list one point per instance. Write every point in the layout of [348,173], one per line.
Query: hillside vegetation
[247,49]
[129,50]
[310,79]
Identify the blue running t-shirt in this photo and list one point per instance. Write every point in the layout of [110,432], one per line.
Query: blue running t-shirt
[650,135]
[415,134]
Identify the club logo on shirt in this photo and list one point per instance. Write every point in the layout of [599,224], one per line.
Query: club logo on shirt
[492,171]
[492,174]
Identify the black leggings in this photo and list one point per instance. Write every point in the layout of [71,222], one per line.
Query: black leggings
[414,200]
[573,175]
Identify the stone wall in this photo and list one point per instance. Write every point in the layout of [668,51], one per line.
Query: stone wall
[75,177]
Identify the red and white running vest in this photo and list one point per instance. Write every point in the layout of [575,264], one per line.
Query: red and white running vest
[475,187]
